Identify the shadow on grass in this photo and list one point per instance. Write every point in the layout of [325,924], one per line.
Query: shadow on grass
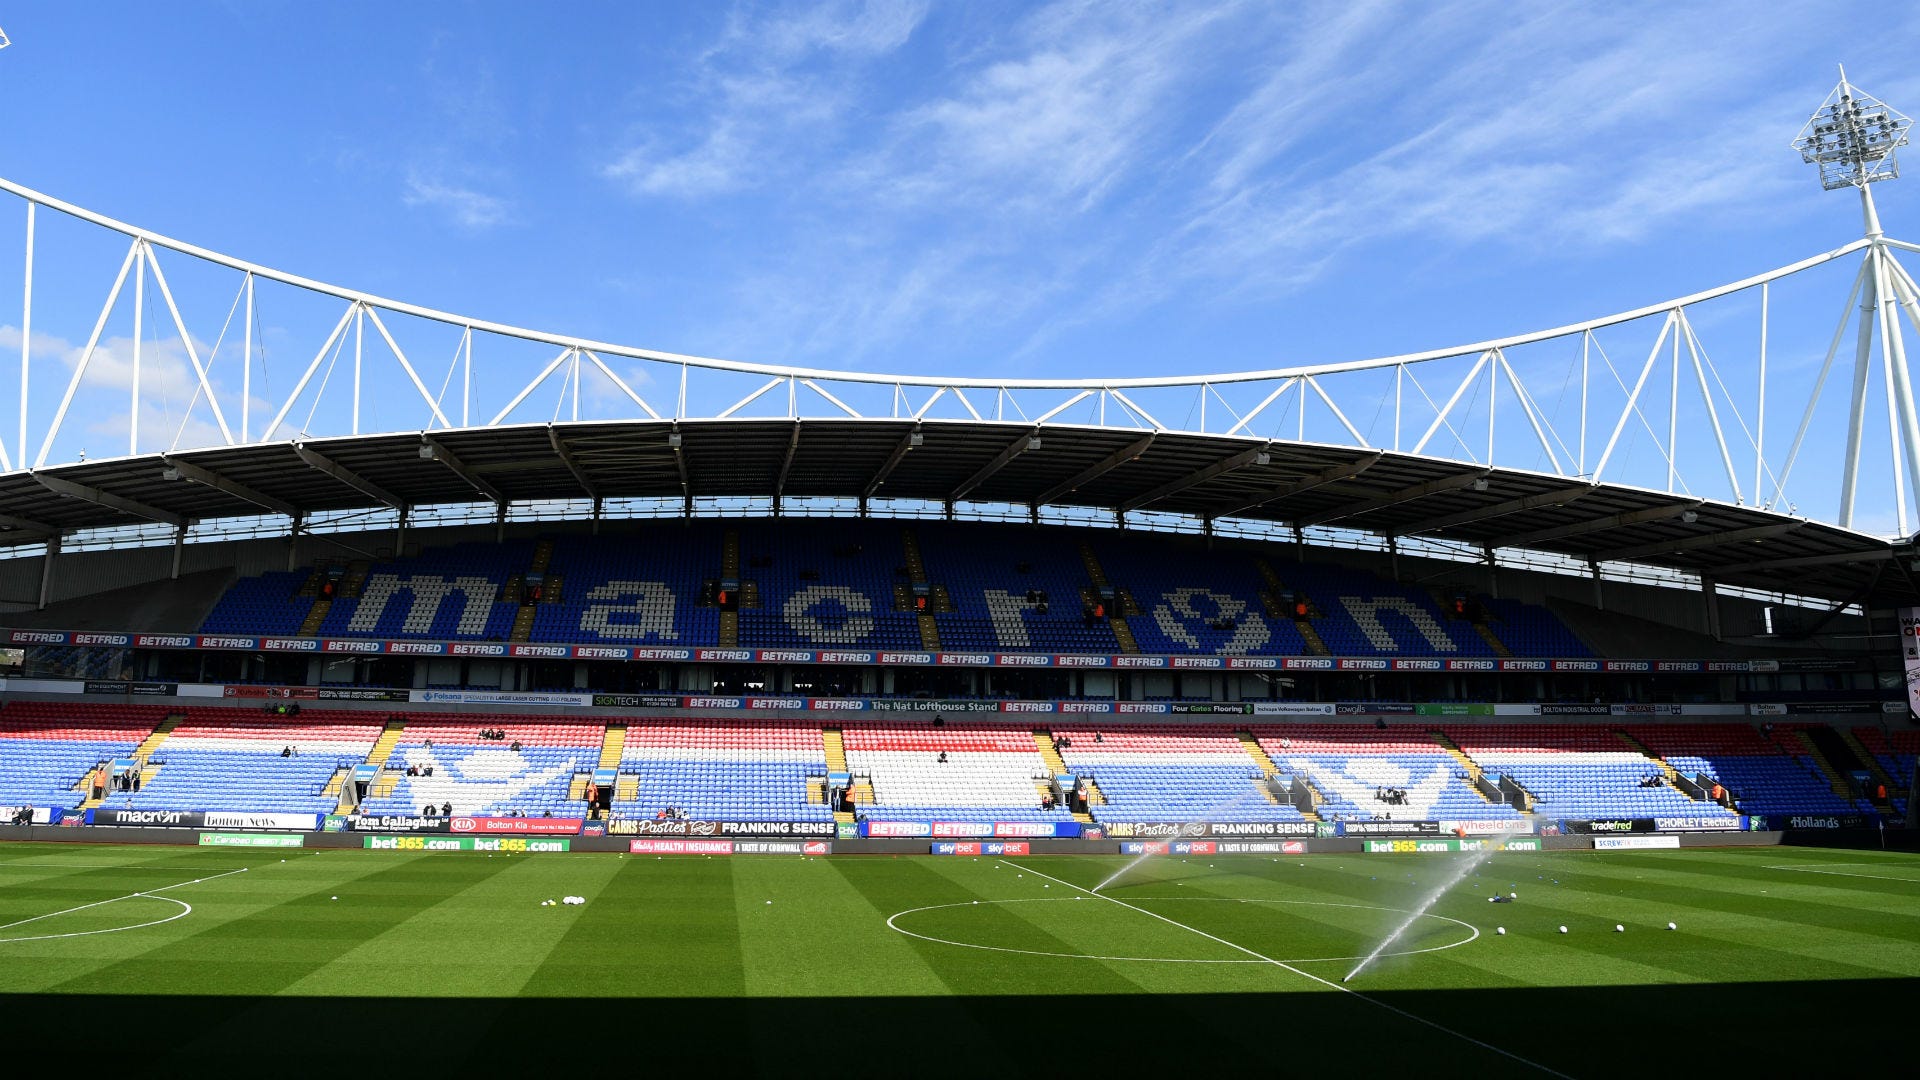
[1750,1029]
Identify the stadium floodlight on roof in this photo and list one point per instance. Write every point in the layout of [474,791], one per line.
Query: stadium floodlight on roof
[3,39]
[1852,137]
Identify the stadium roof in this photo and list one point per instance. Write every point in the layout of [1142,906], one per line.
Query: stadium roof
[1206,476]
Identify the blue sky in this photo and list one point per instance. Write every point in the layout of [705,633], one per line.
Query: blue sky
[998,189]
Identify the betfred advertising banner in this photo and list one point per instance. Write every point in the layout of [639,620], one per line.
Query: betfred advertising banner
[896,828]
[516,826]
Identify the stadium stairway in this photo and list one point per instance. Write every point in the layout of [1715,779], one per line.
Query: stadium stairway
[1667,771]
[524,618]
[730,570]
[1251,745]
[383,781]
[1270,599]
[1493,640]
[389,738]
[1057,766]
[1805,743]
[143,753]
[1871,764]
[613,744]
[93,796]
[916,576]
[626,787]
[1481,625]
[1118,611]
[835,745]
[1474,772]
[337,783]
[159,735]
[317,614]
[1049,752]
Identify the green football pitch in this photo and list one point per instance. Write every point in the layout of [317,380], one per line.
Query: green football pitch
[915,965]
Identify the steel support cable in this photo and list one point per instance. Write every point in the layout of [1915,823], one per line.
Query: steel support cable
[324,379]
[1700,351]
[211,357]
[1444,422]
[452,366]
[1621,383]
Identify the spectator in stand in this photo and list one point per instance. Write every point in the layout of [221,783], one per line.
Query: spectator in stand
[447,808]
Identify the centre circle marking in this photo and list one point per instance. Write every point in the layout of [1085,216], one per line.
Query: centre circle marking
[1473,932]
[185,910]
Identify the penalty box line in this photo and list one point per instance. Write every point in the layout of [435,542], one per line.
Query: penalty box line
[117,899]
[1510,1055]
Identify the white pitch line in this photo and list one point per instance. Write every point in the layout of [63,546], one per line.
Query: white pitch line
[1303,974]
[1843,873]
[117,899]
[13,864]
[897,929]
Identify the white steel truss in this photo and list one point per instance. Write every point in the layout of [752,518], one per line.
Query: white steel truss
[1672,419]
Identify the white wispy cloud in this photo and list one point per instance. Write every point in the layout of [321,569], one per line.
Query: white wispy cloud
[468,208]
[769,94]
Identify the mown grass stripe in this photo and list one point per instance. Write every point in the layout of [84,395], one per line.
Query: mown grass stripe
[263,931]
[659,928]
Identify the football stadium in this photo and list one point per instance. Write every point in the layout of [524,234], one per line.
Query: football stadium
[780,719]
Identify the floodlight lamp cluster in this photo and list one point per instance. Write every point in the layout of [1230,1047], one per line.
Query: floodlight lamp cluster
[1852,138]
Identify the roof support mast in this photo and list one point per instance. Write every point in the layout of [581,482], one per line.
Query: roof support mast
[1853,138]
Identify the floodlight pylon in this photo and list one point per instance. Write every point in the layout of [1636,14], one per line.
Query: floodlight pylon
[1854,139]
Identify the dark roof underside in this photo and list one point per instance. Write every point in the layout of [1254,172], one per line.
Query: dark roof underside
[1306,484]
